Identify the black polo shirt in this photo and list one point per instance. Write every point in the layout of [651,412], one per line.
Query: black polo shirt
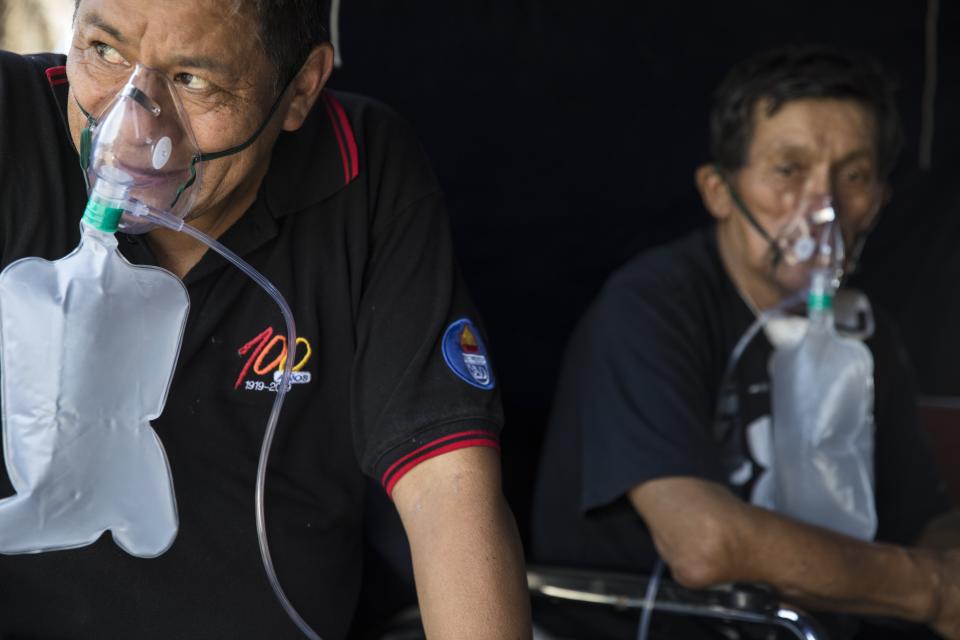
[350,225]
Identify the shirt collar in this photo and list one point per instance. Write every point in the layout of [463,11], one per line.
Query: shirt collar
[313,163]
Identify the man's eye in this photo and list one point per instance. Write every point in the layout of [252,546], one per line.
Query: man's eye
[856,176]
[109,54]
[192,82]
[787,170]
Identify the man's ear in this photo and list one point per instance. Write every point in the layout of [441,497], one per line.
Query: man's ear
[307,85]
[714,191]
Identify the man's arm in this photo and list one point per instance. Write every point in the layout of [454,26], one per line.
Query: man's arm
[467,558]
[708,536]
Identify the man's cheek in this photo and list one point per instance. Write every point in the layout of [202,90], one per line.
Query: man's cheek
[761,255]
[859,217]
[92,96]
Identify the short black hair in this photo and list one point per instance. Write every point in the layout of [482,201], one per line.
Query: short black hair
[793,73]
[288,30]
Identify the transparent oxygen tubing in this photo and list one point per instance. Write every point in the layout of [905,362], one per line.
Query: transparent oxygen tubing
[761,320]
[169,221]
[650,600]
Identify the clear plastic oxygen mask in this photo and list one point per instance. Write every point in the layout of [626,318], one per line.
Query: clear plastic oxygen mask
[144,143]
[808,246]
[89,343]
[807,236]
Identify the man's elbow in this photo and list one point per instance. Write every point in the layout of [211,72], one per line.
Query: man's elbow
[704,554]
[696,527]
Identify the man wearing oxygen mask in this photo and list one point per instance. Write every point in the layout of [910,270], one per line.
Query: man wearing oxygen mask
[666,439]
[330,197]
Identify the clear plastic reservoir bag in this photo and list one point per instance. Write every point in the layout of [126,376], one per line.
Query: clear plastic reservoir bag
[823,399]
[78,445]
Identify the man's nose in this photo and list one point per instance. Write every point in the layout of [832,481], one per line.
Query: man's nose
[819,185]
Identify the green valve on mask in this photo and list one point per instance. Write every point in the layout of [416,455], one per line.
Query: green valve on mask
[819,301]
[102,216]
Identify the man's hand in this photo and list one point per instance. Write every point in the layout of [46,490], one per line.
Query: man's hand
[467,560]
[709,536]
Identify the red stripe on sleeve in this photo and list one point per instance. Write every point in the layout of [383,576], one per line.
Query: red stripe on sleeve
[348,134]
[453,446]
[336,131]
[432,443]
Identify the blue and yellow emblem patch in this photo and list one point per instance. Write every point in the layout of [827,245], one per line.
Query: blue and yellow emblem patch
[465,354]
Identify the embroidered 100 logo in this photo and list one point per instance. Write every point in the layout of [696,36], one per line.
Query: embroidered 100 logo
[266,355]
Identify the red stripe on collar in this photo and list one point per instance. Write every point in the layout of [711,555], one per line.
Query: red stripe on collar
[339,136]
[345,137]
[57,76]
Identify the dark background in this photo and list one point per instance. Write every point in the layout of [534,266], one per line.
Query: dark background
[566,135]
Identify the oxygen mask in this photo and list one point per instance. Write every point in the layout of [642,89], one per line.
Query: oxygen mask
[142,145]
[808,251]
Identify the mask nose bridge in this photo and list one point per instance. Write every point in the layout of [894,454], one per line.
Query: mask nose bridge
[152,91]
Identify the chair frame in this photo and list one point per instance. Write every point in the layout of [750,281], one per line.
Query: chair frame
[627,592]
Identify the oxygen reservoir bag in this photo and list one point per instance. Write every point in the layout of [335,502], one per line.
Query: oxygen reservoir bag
[88,345]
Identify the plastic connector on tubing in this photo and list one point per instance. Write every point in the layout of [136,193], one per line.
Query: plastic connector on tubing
[157,217]
[821,290]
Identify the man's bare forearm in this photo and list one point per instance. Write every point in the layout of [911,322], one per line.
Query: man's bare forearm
[824,570]
[709,536]
[467,558]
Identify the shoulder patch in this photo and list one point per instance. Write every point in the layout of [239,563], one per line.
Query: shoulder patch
[465,354]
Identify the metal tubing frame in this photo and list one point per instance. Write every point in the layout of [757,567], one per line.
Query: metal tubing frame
[797,622]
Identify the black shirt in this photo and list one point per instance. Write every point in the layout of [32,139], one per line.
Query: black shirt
[640,398]
[350,225]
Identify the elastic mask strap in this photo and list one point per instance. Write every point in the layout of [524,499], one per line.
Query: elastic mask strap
[86,141]
[204,157]
[745,212]
[214,155]
[189,183]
